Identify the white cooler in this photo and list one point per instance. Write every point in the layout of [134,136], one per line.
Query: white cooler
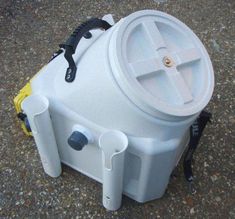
[124,119]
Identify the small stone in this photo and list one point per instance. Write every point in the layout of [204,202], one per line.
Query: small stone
[215,45]
[189,201]
[27,202]
[8,170]
[214,178]
[192,211]
[160,1]
[206,164]
[218,199]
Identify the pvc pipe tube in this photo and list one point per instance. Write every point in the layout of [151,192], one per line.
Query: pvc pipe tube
[36,108]
[113,145]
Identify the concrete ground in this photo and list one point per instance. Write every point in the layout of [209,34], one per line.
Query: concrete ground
[30,32]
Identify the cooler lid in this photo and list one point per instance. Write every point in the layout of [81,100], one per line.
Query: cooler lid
[161,65]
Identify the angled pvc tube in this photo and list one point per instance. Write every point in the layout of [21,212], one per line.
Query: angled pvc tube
[36,108]
[113,145]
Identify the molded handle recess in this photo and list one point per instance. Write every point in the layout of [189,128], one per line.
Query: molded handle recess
[71,44]
[113,145]
[36,108]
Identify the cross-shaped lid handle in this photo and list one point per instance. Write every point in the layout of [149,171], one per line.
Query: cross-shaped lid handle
[164,66]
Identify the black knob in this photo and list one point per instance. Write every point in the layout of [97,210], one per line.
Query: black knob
[77,140]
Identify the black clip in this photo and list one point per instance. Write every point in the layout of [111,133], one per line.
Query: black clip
[192,188]
[70,73]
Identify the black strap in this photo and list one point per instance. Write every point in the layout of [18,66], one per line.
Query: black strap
[72,42]
[195,134]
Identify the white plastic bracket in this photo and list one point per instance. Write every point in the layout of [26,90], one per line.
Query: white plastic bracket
[113,145]
[109,19]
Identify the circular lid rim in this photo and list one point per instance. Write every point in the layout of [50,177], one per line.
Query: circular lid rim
[139,97]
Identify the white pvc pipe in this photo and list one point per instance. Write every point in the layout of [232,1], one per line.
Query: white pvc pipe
[113,145]
[36,108]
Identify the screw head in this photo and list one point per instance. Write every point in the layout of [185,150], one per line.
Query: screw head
[168,62]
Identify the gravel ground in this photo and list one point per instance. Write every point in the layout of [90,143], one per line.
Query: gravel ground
[30,32]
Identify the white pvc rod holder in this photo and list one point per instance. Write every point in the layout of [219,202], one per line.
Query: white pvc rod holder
[36,108]
[113,145]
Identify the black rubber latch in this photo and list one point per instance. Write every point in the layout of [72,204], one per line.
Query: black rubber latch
[21,116]
[77,140]
[24,119]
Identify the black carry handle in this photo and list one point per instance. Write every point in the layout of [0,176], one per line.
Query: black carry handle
[195,134]
[71,44]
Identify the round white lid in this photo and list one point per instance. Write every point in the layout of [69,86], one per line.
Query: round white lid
[161,65]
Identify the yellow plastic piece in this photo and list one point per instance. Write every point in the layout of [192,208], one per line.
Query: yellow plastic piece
[24,92]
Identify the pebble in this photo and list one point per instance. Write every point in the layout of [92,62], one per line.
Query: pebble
[214,178]
[215,45]
[192,211]
[206,164]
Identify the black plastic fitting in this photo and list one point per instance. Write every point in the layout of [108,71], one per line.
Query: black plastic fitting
[77,140]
